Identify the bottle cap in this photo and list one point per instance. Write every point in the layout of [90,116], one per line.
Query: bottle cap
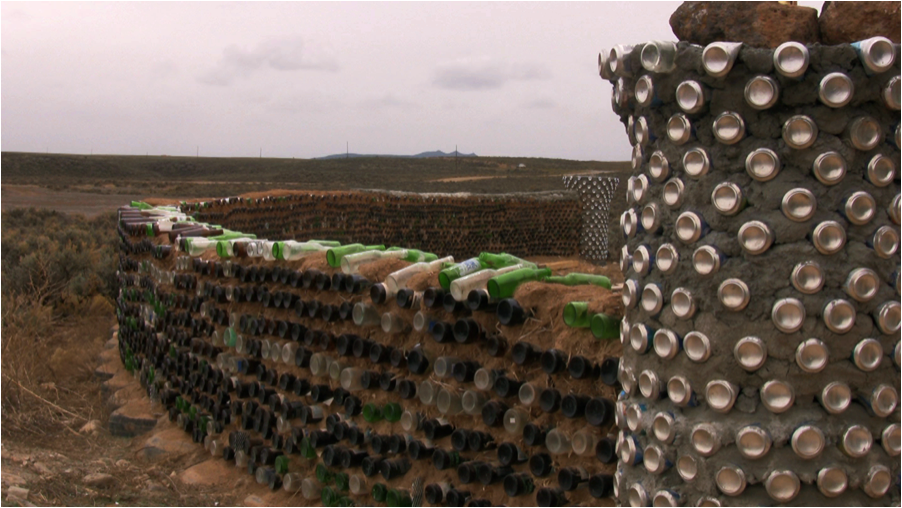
[799,204]
[696,162]
[733,294]
[658,167]
[619,60]
[791,59]
[649,384]
[885,242]
[753,442]
[640,189]
[812,355]
[762,164]
[650,218]
[891,93]
[755,237]
[718,57]
[679,391]
[857,441]
[878,482]
[729,128]
[604,69]
[667,258]
[832,481]
[751,353]
[658,56]
[782,486]
[682,304]
[643,134]
[839,316]
[777,396]
[836,90]
[645,91]
[690,96]
[890,439]
[808,442]
[862,284]
[697,346]
[642,260]
[640,337]
[672,194]
[883,400]
[727,198]
[762,92]
[679,130]
[799,132]
[865,133]
[788,315]
[867,355]
[637,495]
[829,168]
[829,237]
[881,171]
[720,395]
[652,299]
[704,439]
[888,316]
[687,467]
[688,227]
[630,293]
[835,397]
[666,344]
[664,427]
[807,277]
[730,480]
[655,461]
[877,54]
[706,260]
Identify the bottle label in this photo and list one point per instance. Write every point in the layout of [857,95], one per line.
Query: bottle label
[469,266]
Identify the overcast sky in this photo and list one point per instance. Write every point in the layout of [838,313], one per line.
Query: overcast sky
[301,79]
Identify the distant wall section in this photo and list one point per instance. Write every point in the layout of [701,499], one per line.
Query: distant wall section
[535,224]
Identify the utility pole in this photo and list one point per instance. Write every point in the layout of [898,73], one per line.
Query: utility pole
[347,150]
[455,158]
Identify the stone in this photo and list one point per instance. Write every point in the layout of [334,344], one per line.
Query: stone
[99,480]
[253,500]
[211,472]
[844,22]
[41,469]
[18,492]
[758,24]
[90,427]
[123,464]
[12,480]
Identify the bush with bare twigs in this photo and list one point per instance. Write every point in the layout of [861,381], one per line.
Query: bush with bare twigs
[56,270]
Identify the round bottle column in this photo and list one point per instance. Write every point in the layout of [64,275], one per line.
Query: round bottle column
[761,337]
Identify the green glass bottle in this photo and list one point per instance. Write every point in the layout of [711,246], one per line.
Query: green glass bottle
[605,326]
[341,481]
[503,286]
[323,475]
[306,449]
[334,255]
[392,412]
[398,497]
[576,315]
[379,492]
[281,465]
[581,279]
[329,497]
[372,413]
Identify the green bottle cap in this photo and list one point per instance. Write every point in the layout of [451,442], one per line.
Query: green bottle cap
[372,413]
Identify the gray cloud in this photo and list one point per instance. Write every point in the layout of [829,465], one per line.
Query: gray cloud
[485,74]
[387,101]
[541,103]
[278,54]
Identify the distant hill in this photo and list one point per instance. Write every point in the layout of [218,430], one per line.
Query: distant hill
[423,155]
